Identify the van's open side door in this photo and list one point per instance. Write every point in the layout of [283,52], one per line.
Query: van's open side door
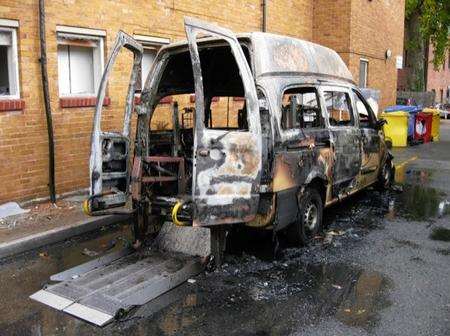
[227,163]
[109,161]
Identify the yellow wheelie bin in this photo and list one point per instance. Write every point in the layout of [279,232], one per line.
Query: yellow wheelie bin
[436,123]
[396,129]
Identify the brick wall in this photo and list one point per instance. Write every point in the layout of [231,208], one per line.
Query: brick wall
[23,134]
[331,25]
[439,80]
[371,28]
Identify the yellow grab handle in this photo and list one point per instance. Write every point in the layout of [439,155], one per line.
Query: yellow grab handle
[86,207]
[175,220]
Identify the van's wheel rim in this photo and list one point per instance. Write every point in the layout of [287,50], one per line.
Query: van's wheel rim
[311,216]
[387,174]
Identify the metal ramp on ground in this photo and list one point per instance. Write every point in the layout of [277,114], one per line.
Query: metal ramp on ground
[105,288]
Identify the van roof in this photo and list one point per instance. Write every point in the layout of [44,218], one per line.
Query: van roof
[278,55]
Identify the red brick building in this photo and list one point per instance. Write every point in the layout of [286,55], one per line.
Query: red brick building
[438,80]
[367,34]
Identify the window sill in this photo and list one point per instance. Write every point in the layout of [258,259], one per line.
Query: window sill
[12,104]
[81,101]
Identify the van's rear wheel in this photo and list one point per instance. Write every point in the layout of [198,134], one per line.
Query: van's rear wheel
[309,219]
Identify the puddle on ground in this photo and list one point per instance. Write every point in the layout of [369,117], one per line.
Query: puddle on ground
[418,201]
[403,174]
[440,233]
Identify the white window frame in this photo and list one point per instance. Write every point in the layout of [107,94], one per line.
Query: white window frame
[97,35]
[363,60]
[11,27]
[150,42]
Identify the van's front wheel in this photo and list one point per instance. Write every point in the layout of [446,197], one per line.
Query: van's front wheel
[309,218]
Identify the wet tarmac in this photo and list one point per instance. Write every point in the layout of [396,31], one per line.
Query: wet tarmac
[381,268]
[261,295]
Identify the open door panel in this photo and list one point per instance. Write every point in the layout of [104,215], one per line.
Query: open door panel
[227,163]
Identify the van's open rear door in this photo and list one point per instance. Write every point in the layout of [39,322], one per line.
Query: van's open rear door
[227,163]
[109,161]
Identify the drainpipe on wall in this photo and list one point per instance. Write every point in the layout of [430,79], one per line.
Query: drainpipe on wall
[264,15]
[48,111]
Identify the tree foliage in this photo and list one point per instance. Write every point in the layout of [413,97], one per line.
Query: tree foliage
[434,25]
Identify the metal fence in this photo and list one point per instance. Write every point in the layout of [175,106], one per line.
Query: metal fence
[425,99]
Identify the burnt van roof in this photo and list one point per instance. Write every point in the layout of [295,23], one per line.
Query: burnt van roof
[278,55]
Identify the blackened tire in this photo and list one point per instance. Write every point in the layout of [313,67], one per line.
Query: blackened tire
[387,175]
[309,218]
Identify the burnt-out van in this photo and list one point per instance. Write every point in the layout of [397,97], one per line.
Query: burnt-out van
[253,129]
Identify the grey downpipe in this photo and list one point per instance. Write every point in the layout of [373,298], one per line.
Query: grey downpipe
[48,110]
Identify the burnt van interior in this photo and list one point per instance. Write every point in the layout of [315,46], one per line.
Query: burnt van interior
[171,131]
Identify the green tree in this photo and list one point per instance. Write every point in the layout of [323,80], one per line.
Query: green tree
[427,22]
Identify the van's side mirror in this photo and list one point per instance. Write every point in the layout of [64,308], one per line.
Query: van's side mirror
[380,123]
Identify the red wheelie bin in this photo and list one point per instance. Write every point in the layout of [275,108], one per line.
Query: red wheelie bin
[422,129]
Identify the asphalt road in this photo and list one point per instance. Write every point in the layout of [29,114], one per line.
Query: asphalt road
[383,269]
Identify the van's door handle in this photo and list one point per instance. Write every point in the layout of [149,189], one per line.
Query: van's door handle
[203,152]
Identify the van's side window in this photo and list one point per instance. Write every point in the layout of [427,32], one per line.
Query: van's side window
[366,117]
[301,109]
[339,108]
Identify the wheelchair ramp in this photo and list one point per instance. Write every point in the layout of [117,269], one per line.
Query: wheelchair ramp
[104,288]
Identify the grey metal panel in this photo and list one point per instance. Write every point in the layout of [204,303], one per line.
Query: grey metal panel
[89,314]
[99,293]
[50,299]
[74,272]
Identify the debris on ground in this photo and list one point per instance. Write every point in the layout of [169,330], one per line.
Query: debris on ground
[10,209]
[37,217]
[328,239]
[442,210]
[109,245]
[397,188]
[89,253]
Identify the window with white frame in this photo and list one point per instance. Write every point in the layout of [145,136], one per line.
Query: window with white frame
[9,66]
[80,60]
[363,69]
[151,46]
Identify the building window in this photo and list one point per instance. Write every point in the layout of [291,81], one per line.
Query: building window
[147,61]
[80,60]
[9,66]
[151,46]
[363,70]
